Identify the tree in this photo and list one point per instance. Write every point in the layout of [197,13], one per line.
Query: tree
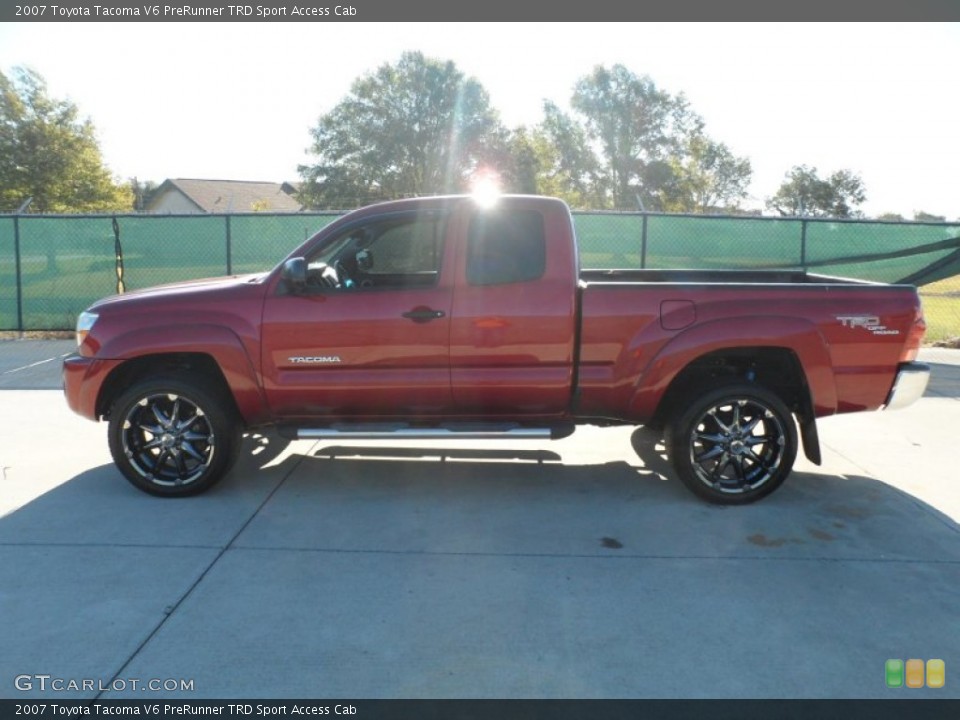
[511,161]
[638,128]
[708,178]
[804,193]
[568,166]
[143,192]
[415,127]
[629,144]
[49,154]
[921,216]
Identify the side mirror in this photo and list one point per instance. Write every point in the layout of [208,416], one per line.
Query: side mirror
[294,273]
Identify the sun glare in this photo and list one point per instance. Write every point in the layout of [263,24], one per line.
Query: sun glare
[485,190]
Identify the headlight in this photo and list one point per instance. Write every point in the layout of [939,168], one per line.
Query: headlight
[84,324]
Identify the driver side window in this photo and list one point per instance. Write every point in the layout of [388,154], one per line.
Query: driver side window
[387,253]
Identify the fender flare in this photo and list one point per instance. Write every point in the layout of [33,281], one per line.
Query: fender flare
[215,341]
[795,334]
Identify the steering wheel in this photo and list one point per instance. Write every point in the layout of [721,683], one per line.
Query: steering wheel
[343,278]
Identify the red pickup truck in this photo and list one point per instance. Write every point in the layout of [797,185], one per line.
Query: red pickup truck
[442,318]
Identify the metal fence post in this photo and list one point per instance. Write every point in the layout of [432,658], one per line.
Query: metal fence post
[18,270]
[803,244]
[643,243]
[229,247]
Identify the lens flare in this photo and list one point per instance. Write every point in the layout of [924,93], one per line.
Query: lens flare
[485,189]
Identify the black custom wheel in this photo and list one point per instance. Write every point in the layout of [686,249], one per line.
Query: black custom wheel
[171,438]
[733,445]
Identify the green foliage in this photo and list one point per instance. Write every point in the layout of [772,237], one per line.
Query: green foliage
[420,127]
[921,216]
[804,193]
[639,129]
[512,160]
[415,127]
[143,192]
[709,178]
[569,168]
[49,154]
[630,144]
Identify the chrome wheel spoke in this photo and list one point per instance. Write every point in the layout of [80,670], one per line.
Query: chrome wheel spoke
[735,425]
[184,424]
[181,466]
[723,427]
[754,440]
[158,414]
[710,454]
[752,425]
[739,471]
[717,474]
[175,414]
[758,460]
[161,460]
[192,452]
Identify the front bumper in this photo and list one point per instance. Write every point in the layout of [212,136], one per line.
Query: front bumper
[908,385]
[83,378]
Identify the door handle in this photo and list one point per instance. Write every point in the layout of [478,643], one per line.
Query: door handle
[423,314]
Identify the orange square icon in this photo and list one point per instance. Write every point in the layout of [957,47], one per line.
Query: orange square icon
[936,673]
[914,673]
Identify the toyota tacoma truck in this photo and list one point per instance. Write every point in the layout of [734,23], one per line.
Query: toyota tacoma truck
[442,318]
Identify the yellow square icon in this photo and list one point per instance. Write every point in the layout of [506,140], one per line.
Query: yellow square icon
[936,673]
[914,674]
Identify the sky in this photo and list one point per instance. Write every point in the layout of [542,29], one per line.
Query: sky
[237,100]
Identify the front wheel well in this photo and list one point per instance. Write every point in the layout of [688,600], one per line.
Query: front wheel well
[194,365]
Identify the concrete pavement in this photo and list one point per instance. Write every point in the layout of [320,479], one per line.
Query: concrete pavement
[572,569]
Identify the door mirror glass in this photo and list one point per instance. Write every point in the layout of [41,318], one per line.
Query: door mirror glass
[294,273]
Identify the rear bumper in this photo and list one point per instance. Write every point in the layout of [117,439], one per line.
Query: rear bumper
[908,386]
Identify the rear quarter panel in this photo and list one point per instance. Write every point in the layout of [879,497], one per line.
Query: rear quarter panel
[629,356]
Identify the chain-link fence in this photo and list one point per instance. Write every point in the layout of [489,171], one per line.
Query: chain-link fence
[52,267]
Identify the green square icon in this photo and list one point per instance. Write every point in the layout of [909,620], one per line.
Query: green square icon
[894,673]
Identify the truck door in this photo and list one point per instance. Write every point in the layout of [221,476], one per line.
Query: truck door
[513,327]
[369,334]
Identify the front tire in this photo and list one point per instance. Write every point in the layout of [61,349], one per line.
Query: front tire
[171,437]
[733,445]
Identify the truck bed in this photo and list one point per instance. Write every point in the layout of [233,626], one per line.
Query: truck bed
[726,277]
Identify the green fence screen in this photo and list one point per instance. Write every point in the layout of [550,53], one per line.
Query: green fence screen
[52,267]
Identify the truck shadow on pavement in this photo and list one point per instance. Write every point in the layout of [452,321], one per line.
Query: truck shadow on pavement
[486,498]
[133,580]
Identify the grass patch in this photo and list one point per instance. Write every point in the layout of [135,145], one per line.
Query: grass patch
[941,308]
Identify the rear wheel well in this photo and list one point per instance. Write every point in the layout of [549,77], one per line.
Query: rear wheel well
[776,369]
[192,365]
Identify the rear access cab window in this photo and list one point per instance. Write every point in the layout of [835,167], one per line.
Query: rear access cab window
[506,247]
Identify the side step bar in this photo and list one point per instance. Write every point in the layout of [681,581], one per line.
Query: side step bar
[403,431]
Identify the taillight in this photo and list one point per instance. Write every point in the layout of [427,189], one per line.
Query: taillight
[915,333]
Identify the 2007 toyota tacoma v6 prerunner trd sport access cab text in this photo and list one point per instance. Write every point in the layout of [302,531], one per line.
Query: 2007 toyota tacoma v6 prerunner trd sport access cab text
[442,318]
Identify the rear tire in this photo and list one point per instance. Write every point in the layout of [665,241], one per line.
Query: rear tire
[171,437]
[733,445]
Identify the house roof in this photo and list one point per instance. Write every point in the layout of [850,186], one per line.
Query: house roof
[224,196]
